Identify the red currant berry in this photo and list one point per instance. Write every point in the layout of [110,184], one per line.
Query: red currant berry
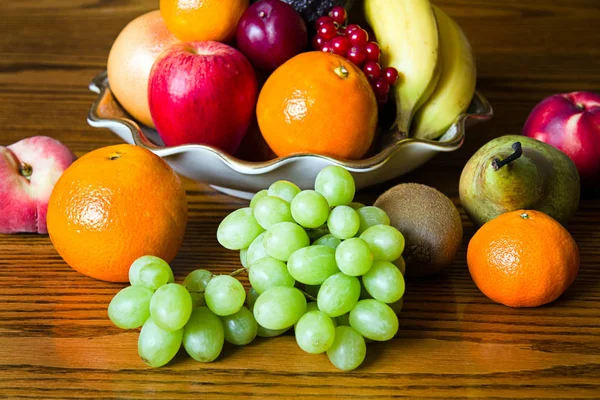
[358,37]
[340,45]
[327,47]
[390,75]
[357,55]
[350,28]
[381,87]
[327,31]
[317,42]
[323,20]
[372,70]
[373,51]
[338,14]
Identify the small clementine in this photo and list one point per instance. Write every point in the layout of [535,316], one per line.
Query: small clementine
[203,19]
[113,205]
[319,103]
[523,258]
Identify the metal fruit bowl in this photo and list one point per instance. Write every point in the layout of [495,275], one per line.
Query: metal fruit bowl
[242,178]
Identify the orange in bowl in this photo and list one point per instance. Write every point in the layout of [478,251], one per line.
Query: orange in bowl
[114,205]
[203,19]
[523,259]
[318,103]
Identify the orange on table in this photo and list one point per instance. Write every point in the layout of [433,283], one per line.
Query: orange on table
[113,205]
[203,19]
[319,103]
[523,258]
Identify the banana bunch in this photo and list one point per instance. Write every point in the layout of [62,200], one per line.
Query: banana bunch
[434,60]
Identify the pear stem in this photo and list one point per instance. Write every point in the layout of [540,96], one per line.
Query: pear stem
[497,163]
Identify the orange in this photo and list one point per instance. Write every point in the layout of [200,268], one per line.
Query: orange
[203,19]
[113,205]
[523,259]
[319,103]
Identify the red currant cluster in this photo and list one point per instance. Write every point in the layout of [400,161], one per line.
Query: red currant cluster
[352,42]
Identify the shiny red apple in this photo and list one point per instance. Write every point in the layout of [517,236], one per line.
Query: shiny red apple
[203,93]
[571,123]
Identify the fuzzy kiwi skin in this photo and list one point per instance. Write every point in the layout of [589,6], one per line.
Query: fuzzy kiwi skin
[430,223]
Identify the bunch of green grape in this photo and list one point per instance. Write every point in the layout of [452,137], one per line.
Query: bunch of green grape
[343,257]
[201,314]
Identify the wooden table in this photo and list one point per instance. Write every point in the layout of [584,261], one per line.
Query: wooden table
[57,342]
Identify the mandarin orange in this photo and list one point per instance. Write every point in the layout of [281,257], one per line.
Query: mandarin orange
[523,259]
[203,19]
[113,205]
[319,103]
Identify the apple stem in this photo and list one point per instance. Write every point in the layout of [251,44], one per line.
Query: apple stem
[497,163]
[26,170]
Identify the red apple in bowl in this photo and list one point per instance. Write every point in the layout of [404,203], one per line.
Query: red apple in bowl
[202,93]
[29,169]
[571,123]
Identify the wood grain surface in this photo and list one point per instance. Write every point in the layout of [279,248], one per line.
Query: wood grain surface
[57,342]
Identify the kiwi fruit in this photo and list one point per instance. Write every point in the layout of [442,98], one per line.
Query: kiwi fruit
[430,223]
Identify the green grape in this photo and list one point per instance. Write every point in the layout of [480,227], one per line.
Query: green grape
[258,196]
[328,240]
[343,222]
[336,185]
[312,290]
[203,336]
[401,265]
[314,234]
[153,276]
[356,205]
[338,294]
[310,209]
[371,216]
[311,306]
[267,273]
[137,265]
[364,294]
[240,328]
[353,257]
[171,306]
[312,265]
[256,251]
[397,306]
[195,282]
[285,190]
[130,308]
[244,257]
[315,332]
[374,320]
[343,319]
[224,295]
[384,282]
[238,229]
[157,346]
[348,350]
[251,298]
[386,242]
[279,307]
[271,210]
[269,333]
[283,239]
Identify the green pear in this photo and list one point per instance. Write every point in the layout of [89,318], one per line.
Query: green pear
[519,173]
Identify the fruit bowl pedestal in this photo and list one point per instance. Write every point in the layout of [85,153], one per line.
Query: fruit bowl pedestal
[241,178]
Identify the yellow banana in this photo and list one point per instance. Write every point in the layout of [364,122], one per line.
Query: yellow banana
[456,86]
[407,33]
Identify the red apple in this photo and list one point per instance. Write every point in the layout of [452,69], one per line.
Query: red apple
[571,123]
[28,171]
[202,92]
